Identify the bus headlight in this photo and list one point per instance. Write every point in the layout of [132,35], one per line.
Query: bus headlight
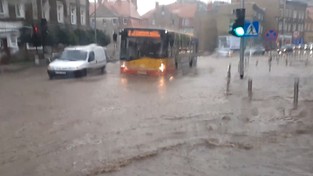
[162,67]
[123,65]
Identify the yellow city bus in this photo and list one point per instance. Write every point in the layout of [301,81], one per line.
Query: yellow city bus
[156,51]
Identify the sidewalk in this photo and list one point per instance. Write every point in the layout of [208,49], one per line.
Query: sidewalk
[16,67]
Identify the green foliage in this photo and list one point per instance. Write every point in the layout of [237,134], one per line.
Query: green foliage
[66,36]
[79,37]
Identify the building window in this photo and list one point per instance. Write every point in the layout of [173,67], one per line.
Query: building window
[114,21]
[280,26]
[93,22]
[83,15]
[13,39]
[73,14]
[290,13]
[1,7]
[173,22]
[125,21]
[35,12]
[186,22]
[286,12]
[60,12]
[294,27]
[285,26]
[281,12]
[153,22]
[289,27]
[306,27]
[19,9]
[104,22]
[301,28]
[294,14]
[46,8]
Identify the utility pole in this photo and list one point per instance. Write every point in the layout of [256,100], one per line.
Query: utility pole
[242,50]
[41,7]
[95,19]
[283,25]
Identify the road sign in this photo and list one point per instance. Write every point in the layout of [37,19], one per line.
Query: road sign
[251,29]
[296,34]
[298,41]
[271,35]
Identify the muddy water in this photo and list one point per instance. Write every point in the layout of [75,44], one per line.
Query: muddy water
[177,125]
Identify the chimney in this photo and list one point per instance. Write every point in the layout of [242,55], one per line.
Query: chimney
[157,5]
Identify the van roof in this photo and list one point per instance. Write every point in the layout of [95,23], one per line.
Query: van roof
[83,47]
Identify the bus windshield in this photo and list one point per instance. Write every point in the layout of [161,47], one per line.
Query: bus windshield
[138,47]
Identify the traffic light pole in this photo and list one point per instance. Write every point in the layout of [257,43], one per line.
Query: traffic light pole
[95,21]
[242,50]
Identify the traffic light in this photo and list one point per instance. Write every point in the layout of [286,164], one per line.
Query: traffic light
[237,28]
[36,40]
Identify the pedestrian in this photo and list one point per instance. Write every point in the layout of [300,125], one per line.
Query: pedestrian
[115,39]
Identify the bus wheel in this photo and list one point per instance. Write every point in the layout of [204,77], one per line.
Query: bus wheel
[195,61]
[190,63]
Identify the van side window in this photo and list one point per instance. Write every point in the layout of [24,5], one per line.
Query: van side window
[91,56]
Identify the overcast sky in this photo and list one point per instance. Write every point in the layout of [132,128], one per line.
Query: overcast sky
[146,5]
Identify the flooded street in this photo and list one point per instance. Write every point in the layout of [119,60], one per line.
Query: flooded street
[183,124]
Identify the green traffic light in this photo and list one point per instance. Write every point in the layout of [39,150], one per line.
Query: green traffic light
[239,31]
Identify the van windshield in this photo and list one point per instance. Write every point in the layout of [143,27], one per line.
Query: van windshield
[74,55]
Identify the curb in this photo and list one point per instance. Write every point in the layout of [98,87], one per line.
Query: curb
[15,68]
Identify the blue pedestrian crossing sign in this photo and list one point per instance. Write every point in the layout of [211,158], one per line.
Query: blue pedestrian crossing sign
[251,29]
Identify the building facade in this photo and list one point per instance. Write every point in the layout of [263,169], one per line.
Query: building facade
[111,16]
[186,16]
[180,15]
[308,27]
[16,17]
[225,16]
[287,17]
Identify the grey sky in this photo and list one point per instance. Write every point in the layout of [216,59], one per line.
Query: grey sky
[146,5]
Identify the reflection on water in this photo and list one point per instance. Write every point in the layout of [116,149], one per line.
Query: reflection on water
[146,83]
[124,81]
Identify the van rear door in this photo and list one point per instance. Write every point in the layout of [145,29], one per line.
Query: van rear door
[100,55]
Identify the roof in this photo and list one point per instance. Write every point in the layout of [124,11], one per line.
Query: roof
[118,7]
[183,10]
[103,11]
[83,47]
[148,14]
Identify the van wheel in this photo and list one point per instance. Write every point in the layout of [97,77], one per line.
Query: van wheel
[50,77]
[102,69]
[84,72]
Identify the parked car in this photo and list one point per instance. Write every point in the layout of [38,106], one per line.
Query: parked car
[76,61]
[309,46]
[258,50]
[286,49]
[224,52]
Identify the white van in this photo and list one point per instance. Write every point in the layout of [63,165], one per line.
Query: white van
[76,61]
